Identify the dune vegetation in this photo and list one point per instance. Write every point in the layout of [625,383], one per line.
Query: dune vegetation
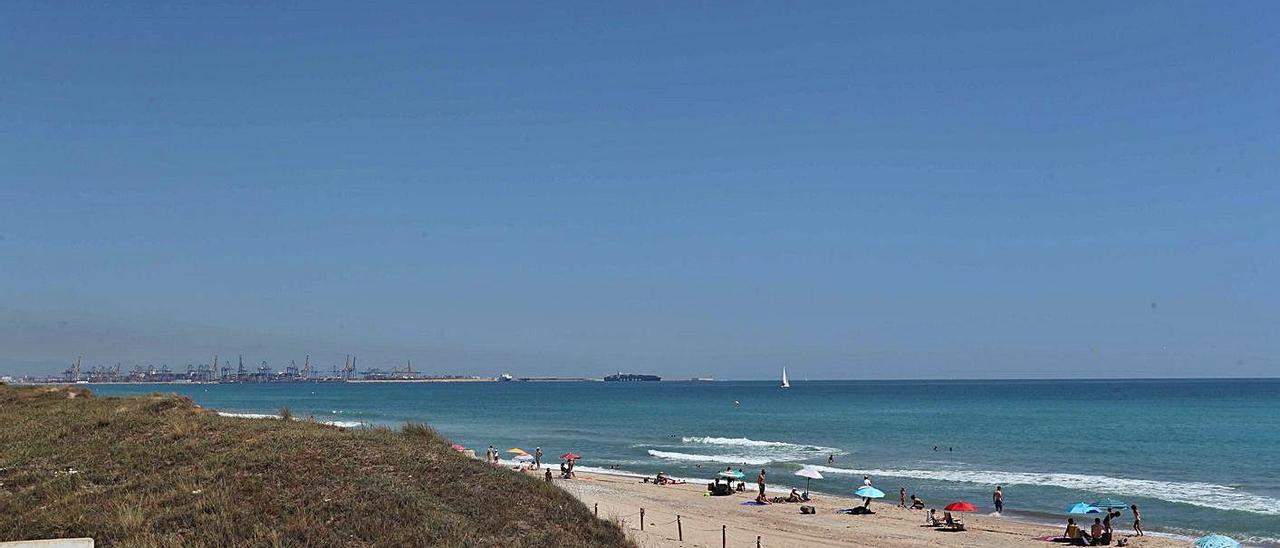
[159,470]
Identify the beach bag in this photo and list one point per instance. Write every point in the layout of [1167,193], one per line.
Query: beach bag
[808,510]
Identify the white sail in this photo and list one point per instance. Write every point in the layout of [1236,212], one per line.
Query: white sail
[785,384]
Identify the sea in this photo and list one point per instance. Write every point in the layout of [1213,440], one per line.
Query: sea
[1197,456]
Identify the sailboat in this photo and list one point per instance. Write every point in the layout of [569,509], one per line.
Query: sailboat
[785,384]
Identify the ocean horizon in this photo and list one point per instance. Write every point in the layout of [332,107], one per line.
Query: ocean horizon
[1197,455]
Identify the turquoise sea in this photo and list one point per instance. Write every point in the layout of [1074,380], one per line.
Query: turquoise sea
[1196,455]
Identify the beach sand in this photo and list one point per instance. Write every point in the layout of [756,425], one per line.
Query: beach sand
[620,498]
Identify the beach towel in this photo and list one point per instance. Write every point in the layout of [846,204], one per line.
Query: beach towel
[754,503]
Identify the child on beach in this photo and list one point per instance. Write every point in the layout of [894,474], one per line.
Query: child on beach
[1137,520]
[902,497]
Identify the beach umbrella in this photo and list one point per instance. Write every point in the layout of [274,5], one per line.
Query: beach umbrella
[459,447]
[571,456]
[517,450]
[524,457]
[732,474]
[1110,504]
[808,474]
[1216,541]
[867,491]
[960,506]
[1082,508]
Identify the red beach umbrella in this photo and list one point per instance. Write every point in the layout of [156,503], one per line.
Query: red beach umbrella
[570,456]
[960,506]
[459,447]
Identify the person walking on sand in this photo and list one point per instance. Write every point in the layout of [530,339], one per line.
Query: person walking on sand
[902,497]
[537,457]
[1137,520]
[998,498]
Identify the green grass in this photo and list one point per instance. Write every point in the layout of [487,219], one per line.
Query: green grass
[160,471]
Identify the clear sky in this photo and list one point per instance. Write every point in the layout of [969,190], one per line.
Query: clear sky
[949,190]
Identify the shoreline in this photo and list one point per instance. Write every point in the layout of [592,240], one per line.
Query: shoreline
[620,496]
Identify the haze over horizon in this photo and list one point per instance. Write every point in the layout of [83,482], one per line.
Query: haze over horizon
[923,191]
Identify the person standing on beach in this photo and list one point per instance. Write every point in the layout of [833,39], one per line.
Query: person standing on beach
[1137,520]
[902,497]
[537,457]
[488,455]
[866,481]
[760,481]
[998,498]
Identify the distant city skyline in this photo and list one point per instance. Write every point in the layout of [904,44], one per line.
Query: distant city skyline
[932,190]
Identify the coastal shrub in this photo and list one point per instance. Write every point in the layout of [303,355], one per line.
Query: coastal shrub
[161,471]
[421,430]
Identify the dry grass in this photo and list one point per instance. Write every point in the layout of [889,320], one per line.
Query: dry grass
[158,470]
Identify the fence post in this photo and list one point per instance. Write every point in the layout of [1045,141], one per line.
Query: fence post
[679,529]
[724,540]
[757,541]
[597,510]
[642,519]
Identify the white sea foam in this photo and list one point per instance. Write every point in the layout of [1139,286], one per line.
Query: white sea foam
[1207,495]
[341,424]
[248,415]
[729,459]
[746,442]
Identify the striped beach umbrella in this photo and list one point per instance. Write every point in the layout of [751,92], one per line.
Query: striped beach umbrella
[869,492]
[1216,541]
[1083,508]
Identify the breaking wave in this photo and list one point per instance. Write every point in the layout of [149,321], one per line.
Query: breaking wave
[745,442]
[340,424]
[727,459]
[1206,495]
[248,415]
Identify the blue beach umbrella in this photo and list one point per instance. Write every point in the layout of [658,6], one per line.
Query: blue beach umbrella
[732,474]
[1083,508]
[1110,504]
[1216,541]
[870,492]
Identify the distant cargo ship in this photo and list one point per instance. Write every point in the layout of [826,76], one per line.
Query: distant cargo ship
[631,377]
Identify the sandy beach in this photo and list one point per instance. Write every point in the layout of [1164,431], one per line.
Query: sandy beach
[620,498]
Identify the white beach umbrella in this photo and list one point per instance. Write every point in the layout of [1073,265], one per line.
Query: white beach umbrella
[808,474]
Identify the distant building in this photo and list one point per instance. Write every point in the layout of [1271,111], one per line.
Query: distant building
[631,377]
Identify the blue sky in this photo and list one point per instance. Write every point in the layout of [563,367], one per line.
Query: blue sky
[933,190]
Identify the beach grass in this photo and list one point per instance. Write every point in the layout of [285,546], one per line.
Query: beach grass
[159,470]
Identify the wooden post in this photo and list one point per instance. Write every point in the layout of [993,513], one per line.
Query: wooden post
[679,529]
[757,541]
[724,540]
[597,509]
[642,519]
